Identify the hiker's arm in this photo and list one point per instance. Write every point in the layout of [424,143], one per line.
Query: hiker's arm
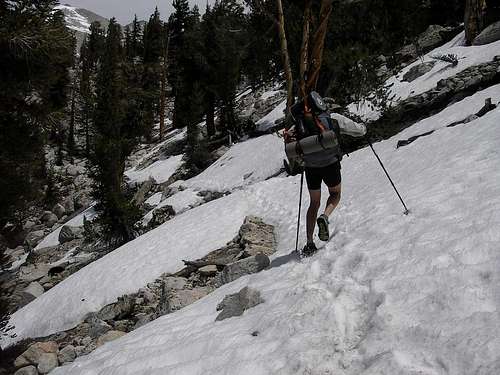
[349,127]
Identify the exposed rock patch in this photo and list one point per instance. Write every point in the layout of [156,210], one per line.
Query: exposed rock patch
[236,304]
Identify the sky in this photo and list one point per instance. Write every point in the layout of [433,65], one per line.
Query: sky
[124,10]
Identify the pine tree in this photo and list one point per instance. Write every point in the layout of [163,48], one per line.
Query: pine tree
[35,56]
[115,140]
[473,19]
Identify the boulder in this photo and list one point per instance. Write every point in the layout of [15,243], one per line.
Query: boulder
[59,210]
[35,352]
[69,205]
[186,297]
[175,283]
[257,236]
[97,327]
[67,354]
[431,38]
[241,268]
[489,35]
[208,271]
[29,370]
[418,71]
[47,362]
[69,233]
[110,336]
[49,218]
[29,224]
[236,304]
[34,238]
[35,289]
[117,310]
[34,272]
[143,319]
[75,170]
[161,215]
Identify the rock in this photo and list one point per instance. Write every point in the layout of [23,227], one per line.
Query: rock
[67,354]
[108,337]
[13,235]
[59,210]
[47,362]
[123,325]
[236,304]
[241,268]
[35,289]
[35,352]
[34,238]
[161,215]
[489,35]
[186,297]
[431,38]
[418,71]
[49,218]
[208,271]
[117,310]
[82,200]
[97,328]
[79,350]
[30,370]
[74,170]
[145,188]
[29,224]
[142,319]
[34,272]
[147,295]
[69,205]
[257,237]
[69,233]
[175,283]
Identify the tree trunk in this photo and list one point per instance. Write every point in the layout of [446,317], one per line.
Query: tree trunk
[304,49]
[71,135]
[162,102]
[474,13]
[319,45]
[285,56]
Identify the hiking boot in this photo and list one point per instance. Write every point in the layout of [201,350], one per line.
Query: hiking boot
[309,250]
[323,231]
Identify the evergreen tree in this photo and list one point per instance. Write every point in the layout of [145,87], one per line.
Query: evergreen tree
[115,139]
[35,55]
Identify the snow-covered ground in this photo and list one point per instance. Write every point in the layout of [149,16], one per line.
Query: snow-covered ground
[468,56]
[390,294]
[180,202]
[160,170]
[74,20]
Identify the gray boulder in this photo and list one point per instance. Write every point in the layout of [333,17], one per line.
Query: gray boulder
[47,362]
[117,310]
[241,268]
[161,215]
[145,188]
[69,205]
[418,71]
[33,355]
[49,218]
[34,272]
[489,35]
[69,233]
[97,327]
[67,354]
[34,289]
[236,304]
[29,370]
[208,271]
[59,210]
[34,238]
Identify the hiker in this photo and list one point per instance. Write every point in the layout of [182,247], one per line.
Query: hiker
[322,165]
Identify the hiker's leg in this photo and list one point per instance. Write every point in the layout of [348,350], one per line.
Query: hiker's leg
[312,213]
[333,199]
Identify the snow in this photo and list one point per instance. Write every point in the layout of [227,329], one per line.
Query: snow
[268,121]
[53,238]
[155,199]
[244,164]
[269,94]
[74,20]
[468,56]
[160,170]
[390,294]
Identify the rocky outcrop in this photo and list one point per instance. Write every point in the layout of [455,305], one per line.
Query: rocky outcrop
[489,35]
[247,266]
[69,233]
[161,215]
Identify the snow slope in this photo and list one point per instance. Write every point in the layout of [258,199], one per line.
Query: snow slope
[389,294]
[160,170]
[468,56]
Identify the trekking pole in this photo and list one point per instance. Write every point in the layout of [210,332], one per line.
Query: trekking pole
[300,209]
[389,177]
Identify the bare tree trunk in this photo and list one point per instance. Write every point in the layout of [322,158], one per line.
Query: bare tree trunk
[319,44]
[285,56]
[474,13]
[163,88]
[304,49]
[210,114]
